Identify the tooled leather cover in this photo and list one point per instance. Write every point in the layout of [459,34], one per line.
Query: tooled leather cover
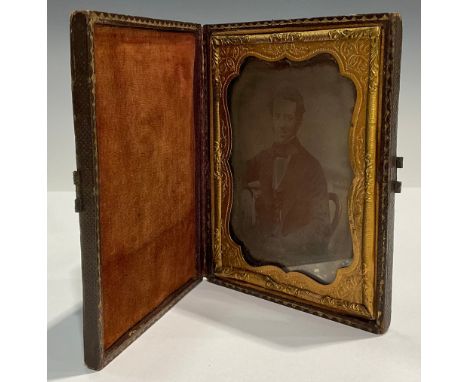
[87,187]
[386,171]
[86,175]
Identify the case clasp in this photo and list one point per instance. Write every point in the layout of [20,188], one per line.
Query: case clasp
[399,162]
[396,187]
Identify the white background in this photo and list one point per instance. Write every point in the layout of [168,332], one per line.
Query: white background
[23,157]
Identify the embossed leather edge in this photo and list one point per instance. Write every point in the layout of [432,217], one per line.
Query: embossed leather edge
[391,23]
[349,320]
[387,171]
[206,163]
[81,71]
[199,152]
[316,22]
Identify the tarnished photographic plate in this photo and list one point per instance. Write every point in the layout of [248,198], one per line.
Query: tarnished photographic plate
[260,156]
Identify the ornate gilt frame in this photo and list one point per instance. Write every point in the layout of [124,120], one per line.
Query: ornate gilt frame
[359,54]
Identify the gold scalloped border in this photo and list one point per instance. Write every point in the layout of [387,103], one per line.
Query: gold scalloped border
[358,52]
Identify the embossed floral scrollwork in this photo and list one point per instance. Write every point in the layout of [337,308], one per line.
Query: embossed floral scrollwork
[357,51]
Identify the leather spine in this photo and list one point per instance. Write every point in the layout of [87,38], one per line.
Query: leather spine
[86,162]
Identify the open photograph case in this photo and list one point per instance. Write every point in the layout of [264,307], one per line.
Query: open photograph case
[260,156]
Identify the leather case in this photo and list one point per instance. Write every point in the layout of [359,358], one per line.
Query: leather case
[143,115]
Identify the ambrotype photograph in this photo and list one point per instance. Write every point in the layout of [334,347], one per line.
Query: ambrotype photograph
[290,164]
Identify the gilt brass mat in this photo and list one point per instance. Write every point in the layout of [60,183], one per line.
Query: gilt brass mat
[358,53]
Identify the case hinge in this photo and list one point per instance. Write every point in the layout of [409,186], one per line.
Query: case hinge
[76,182]
[396,184]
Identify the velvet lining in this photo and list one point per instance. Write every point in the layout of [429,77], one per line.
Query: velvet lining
[146,161]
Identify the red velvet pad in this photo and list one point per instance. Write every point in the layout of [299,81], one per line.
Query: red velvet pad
[146,160]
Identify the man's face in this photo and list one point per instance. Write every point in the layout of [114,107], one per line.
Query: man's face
[285,124]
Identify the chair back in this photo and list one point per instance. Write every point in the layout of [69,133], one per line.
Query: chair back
[332,197]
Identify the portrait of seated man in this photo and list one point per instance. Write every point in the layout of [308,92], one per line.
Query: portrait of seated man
[283,196]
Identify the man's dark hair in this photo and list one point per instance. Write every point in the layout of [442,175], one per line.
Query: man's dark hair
[289,93]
